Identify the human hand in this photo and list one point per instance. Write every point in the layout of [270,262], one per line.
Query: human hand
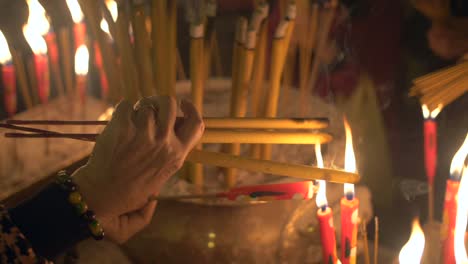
[132,159]
[448,41]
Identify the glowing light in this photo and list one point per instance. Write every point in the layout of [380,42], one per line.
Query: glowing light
[411,252]
[35,40]
[459,159]
[350,158]
[461,220]
[321,198]
[114,11]
[104,26]
[75,10]
[5,55]
[37,19]
[107,114]
[81,60]
[433,114]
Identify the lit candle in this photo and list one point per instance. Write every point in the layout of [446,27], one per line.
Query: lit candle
[79,28]
[81,71]
[412,251]
[450,204]
[325,218]
[430,152]
[349,206]
[461,220]
[8,77]
[39,48]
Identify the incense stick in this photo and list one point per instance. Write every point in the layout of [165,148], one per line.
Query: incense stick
[22,77]
[366,243]
[376,240]
[142,50]
[128,67]
[210,136]
[197,71]
[65,56]
[210,122]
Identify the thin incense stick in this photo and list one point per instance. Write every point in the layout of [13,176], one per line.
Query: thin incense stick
[142,50]
[376,240]
[210,136]
[65,56]
[17,58]
[197,71]
[210,122]
[366,243]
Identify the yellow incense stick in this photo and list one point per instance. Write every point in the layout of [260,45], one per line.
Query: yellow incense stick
[20,69]
[142,51]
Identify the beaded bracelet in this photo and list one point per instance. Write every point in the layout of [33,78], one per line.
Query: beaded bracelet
[76,200]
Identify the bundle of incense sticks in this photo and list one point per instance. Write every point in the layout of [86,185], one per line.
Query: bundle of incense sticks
[231,161]
[440,88]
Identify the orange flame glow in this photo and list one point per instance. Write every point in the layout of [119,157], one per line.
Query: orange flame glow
[112,6]
[5,55]
[412,251]
[459,159]
[321,198]
[350,158]
[75,10]
[37,19]
[35,40]
[81,60]
[427,113]
[461,220]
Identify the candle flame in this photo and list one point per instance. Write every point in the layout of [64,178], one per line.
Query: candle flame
[461,220]
[5,55]
[35,40]
[81,60]
[321,198]
[37,19]
[114,11]
[412,251]
[350,159]
[104,26]
[433,114]
[75,10]
[459,159]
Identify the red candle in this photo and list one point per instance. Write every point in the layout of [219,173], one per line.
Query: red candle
[349,225]
[282,191]
[42,74]
[449,220]
[327,235]
[430,149]
[52,47]
[9,82]
[102,74]
[79,33]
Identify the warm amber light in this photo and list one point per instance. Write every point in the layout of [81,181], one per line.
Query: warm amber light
[107,114]
[35,40]
[113,10]
[104,26]
[5,55]
[461,220]
[412,251]
[350,158]
[37,19]
[75,10]
[433,114]
[321,198]
[459,159]
[81,60]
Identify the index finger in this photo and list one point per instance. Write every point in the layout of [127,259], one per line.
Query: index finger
[166,112]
